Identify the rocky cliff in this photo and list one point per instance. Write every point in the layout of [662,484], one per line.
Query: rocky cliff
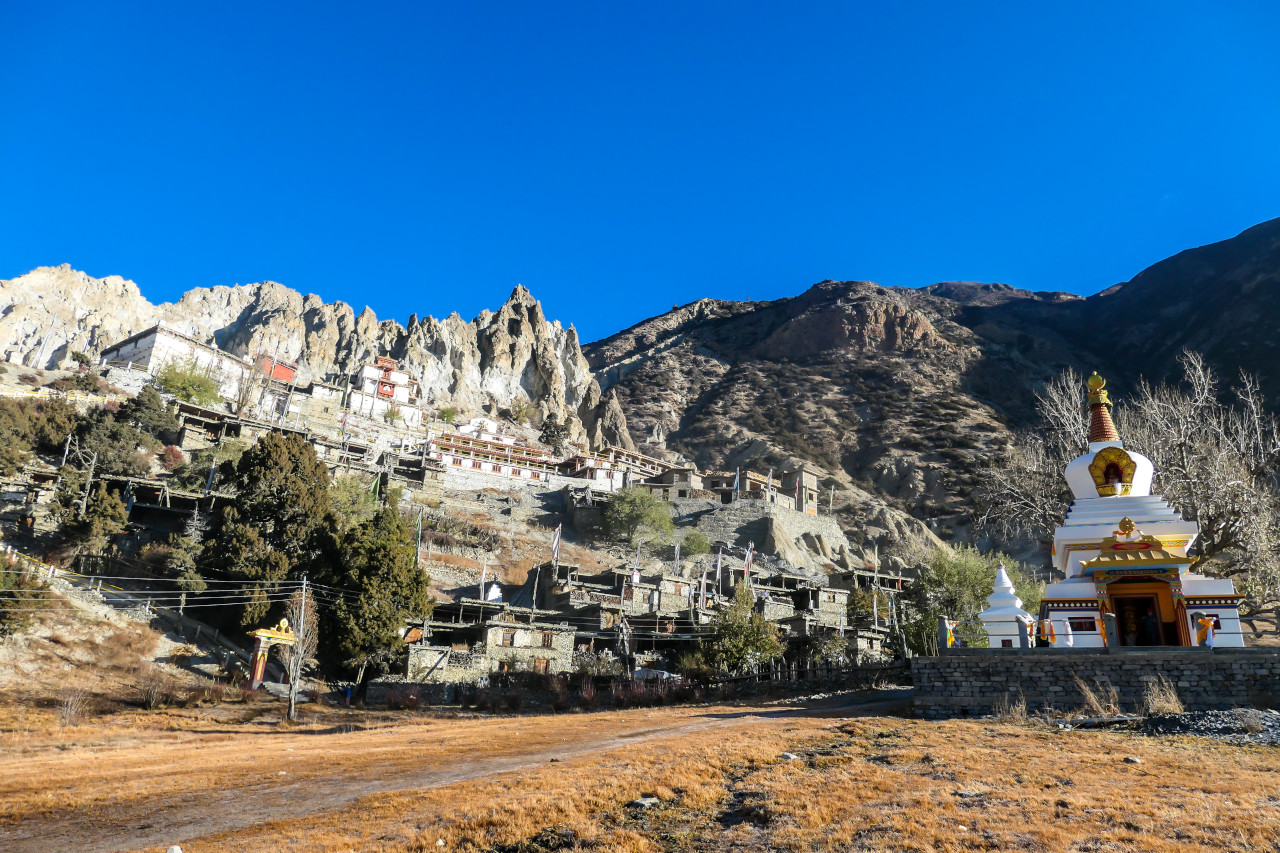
[896,396]
[499,360]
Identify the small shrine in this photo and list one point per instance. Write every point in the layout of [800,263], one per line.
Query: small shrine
[263,640]
[1123,551]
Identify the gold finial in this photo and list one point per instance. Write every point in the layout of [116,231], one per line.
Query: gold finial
[1097,394]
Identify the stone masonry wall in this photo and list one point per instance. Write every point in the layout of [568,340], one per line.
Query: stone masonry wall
[960,684]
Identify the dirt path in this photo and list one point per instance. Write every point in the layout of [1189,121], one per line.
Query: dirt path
[163,818]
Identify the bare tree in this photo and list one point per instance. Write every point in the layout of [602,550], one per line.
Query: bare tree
[301,613]
[248,398]
[1216,460]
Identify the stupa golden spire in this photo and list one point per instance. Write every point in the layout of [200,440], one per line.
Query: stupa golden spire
[1100,426]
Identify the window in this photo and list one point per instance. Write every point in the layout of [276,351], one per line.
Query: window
[683,493]
[546,639]
[475,463]
[456,461]
[1086,625]
[508,638]
[541,665]
[497,467]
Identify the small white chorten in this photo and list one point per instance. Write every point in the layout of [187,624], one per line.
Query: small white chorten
[1004,616]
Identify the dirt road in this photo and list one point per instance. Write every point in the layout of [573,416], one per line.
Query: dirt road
[143,789]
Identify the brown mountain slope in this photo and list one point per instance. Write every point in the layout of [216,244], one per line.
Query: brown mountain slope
[899,395]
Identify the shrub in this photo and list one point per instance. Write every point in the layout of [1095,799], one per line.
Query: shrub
[1103,702]
[404,699]
[588,696]
[172,457]
[157,689]
[513,700]
[1008,710]
[694,544]
[186,380]
[1161,697]
[22,594]
[74,705]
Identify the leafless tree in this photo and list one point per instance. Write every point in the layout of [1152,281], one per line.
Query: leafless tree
[1217,460]
[248,399]
[301,613]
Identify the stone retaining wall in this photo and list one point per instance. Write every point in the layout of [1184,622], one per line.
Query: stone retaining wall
[969,683]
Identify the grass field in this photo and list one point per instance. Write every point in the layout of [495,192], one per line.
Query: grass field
[232,777]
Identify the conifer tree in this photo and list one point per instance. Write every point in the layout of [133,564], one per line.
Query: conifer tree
[382,587]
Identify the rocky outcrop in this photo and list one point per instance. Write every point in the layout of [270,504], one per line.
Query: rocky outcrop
[514,357]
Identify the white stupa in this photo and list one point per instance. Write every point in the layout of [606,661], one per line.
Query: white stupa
[1123,550]
[1004,617]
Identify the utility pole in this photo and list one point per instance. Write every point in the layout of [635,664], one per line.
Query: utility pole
[88,483]
[300,643]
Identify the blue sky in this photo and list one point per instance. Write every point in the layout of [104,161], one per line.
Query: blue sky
[620,158]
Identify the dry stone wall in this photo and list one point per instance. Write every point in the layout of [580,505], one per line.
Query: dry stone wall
[970,683]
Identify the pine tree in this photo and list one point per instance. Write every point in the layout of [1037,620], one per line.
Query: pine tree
[104,516]
[383,586]
[281,525]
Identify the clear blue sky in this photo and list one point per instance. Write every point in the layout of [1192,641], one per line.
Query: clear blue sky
[619,158]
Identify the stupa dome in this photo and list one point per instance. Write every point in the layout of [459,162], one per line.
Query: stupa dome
[1107,470]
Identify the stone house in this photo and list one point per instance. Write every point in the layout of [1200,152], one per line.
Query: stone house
[468,639]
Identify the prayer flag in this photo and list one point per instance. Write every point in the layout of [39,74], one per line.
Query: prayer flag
[555,545]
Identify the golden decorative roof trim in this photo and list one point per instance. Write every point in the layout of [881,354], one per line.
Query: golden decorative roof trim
[1146,557]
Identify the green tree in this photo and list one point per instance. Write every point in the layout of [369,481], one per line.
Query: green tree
[15,437]
[148,413]
[635,512]
[554,434]
[104,516]
[52,420]
[120,447]
[81,359]
[955,583]
[447,414]
[694,544]
[353,500]
[742,637]
[22,595]
[186,550]
[382,587]
[186,380]
[223,457]
[281,524]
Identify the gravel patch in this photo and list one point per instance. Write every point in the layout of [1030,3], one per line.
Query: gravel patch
[1243,726]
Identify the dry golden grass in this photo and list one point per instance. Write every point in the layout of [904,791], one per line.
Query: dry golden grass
[1161,697]
[490,784]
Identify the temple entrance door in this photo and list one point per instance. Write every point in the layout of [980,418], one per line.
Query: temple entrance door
[1145,612]
[1138,621]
